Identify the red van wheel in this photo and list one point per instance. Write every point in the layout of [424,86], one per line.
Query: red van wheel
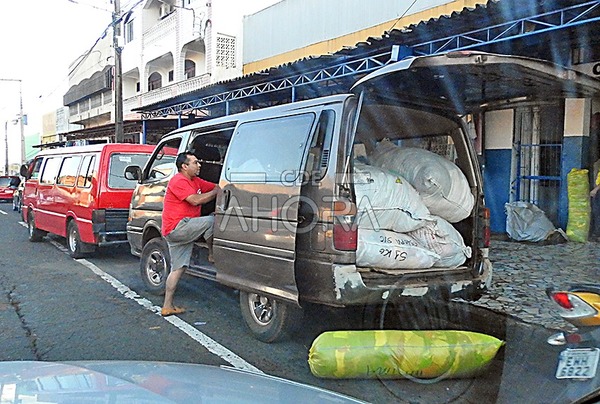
[74,243]
[35,235]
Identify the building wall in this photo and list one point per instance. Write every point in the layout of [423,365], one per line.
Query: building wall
[497,167]
[294,29]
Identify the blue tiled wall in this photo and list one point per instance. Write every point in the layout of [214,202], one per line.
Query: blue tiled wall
[574,155]
[496,186]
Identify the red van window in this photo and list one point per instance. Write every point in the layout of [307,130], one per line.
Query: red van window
[68,171]
[50,170]
[84,180]
[116,169]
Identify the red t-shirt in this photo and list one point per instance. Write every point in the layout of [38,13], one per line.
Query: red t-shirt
[175,207]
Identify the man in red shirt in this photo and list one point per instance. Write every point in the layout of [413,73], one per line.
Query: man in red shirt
[182,223]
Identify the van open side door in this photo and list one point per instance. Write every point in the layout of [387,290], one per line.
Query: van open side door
[257,212]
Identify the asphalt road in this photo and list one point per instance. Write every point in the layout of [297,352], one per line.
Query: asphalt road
[54,308]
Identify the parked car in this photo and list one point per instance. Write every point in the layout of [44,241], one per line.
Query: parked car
[285,222]
[81,193]
[8,184]
[18,197]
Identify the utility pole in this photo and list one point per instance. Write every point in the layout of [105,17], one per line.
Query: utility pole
[21,123]
[6,147]
[21,117]
[119,137]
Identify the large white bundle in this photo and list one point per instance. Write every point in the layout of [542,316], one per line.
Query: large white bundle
[442,186]
[443,239]
[391,250]
[387,201]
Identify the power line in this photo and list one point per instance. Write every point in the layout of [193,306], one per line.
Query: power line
[403,14]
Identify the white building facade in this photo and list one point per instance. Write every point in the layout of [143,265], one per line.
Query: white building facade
[168,48]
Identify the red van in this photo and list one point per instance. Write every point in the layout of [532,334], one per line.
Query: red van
[81,193]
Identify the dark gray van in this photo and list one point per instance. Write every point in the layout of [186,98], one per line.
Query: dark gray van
[286,220]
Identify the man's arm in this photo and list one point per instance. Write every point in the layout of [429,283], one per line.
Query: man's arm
[201,199]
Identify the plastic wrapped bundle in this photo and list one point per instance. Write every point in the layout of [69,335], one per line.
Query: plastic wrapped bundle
[527,222]
[442,238]
[391,250]
[578,189]
[387,201]
[441,184]
[391,354]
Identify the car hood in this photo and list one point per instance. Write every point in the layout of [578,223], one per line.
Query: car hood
[468,81]
[149,382]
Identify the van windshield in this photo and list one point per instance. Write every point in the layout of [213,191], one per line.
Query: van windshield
[116,170]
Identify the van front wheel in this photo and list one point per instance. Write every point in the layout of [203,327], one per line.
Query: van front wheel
[35,235]
[155,264]
[268,319]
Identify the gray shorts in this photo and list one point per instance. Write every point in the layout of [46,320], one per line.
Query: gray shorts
[181,239]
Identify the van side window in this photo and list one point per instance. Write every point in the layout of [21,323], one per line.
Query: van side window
[68,171]
[318,154]
[84,180]
[163,160]
[50,170]
[269,151]
[37,167]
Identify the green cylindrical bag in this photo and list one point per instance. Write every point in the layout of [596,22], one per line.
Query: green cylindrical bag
[392,354]
[578,192]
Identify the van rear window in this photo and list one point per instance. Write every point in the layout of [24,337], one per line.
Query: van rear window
[116,170]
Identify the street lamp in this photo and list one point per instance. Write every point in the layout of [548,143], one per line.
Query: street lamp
[21,123]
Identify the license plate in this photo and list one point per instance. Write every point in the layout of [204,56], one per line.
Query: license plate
[577,363]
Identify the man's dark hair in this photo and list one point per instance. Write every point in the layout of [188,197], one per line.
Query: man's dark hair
[182,159]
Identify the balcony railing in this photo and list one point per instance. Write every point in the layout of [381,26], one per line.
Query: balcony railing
[164,93]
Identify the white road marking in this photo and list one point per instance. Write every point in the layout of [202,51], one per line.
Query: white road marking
[3,212]
[210,344]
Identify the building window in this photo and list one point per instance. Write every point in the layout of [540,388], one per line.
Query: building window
[129,31]
[107,97]
[170,76]
[225,51]
[137,87]
[154,81]
[96,100]
[190,69]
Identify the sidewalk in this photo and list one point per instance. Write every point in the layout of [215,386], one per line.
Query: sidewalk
[523,271]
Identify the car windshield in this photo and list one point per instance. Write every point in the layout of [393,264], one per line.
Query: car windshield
[300,201]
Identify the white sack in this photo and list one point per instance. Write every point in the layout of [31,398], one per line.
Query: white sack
[527,222]
[391,250]
[386,201]
[443,239]
[442,186]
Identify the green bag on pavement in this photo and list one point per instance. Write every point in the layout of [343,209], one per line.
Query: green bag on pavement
[394,354]
[578,192]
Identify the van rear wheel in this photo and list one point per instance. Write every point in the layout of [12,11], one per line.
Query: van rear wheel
[155,265]
[74,244]
[35,235]
[268,319]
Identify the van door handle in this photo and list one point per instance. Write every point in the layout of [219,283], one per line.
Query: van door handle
[225,201]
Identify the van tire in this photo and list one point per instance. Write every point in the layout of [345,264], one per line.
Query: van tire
[155,264]
[268,319]
[35,235]
[74,243]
